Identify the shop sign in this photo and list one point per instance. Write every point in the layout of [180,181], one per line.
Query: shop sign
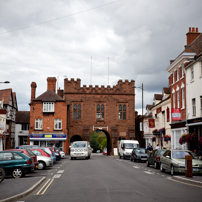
[54,136]
[151,123]
[176,114]
[158,110]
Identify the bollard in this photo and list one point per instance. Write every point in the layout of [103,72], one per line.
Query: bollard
[188,166]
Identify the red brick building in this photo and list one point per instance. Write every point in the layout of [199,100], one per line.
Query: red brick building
[48,117]
[177,82]
[110,110]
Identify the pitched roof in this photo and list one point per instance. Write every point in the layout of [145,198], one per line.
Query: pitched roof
[49,96]
[166,90]
[5,95]
[22,117]
[149,107]
[158,96]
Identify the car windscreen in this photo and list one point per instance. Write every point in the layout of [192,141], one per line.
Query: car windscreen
[130,145]
[140,151]
[180,154]
[79,144]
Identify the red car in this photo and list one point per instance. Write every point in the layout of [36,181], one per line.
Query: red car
[29,153]
[41,151]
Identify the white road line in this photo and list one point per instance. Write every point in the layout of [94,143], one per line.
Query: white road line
[136,167]
[150,173]
[57,176]
[60,171]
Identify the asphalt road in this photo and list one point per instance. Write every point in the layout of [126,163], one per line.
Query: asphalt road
[110,179]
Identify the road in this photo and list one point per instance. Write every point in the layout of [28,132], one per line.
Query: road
[110,179]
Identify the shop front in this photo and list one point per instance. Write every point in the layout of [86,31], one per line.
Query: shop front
[48,140]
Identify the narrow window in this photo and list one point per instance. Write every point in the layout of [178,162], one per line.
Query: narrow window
[194,107]
[201,103]
[100,112]
[58,124]
[76,111]
[182,71]
[178,99]
[177,74]
[122,112]
[183,101]
[173,100]
[173,77]
[38,124]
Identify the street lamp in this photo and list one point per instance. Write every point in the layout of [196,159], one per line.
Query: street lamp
[5,82]
[141,87]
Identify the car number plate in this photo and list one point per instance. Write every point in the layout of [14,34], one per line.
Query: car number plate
[195,169]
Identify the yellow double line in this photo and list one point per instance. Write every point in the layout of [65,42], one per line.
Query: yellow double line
[45,187]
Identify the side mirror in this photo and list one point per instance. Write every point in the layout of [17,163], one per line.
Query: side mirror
[168,157]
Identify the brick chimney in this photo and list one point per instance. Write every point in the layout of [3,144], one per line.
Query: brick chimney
[33,90]
[51,83]
[192,35]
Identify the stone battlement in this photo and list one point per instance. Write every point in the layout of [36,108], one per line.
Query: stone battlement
[74,86]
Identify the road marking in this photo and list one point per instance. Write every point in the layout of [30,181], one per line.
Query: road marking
[44,186]
[60,171]
[147,172]
[57,176]
[136,167]
[184,182]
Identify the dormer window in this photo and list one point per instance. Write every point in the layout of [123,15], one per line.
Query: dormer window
[48,107]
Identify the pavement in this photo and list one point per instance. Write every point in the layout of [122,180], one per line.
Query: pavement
[12,189]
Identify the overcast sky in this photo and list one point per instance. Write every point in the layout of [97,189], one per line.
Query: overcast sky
[57,38]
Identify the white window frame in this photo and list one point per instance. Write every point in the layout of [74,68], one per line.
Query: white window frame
[182,71]
[177,74]
[183,100]
[173,77]
[178,99]
[48,106]
[201,69]
[194,107]
[174,100]
[58,124]
[38,124]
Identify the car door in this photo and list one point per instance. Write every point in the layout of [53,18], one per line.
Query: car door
[167,158]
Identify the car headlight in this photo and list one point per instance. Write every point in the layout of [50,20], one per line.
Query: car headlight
[181,165]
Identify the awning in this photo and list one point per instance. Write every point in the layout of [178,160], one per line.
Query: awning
[194,124]
[46,137]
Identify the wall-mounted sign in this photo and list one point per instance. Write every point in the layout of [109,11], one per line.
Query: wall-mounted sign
[158,110]
[48,136]
[151,123]
[176,114]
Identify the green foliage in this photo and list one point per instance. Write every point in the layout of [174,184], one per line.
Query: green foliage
[98,141]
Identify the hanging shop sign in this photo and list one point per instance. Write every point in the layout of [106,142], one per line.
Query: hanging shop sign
[176,114]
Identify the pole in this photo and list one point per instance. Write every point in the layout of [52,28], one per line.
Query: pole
[142,112]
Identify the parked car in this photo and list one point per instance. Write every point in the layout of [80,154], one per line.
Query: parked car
[57,153]
[16,163]
[28,147]
[29,153]
[49,151]
[80,149]
[154,157]
[62,154]
[174,161]
[138,154]
[44,159]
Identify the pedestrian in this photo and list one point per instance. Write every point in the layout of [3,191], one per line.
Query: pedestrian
[157,147]
[149,147]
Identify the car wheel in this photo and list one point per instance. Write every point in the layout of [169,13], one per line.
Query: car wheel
[161,168]
[41,165]
[120,156]
[17,173]
[124,156]
[172,170]
[155,165]
[147,163]
[72,158]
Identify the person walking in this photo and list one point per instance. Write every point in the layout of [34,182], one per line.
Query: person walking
[149,147]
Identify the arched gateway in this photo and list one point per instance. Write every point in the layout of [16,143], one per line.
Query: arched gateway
[110,110]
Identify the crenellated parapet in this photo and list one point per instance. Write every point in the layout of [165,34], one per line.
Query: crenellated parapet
[74,86]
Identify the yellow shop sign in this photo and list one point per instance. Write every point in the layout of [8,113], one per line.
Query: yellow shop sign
[48,136]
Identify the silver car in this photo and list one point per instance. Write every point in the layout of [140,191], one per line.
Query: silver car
[174,161]
[43,161]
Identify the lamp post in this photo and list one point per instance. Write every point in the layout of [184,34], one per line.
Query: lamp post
[141,87]
[5,82]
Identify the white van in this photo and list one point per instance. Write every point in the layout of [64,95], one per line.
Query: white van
[126,147]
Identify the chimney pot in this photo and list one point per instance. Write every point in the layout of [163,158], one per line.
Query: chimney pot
[193,29]
[189,29]
[196,29]
[33,90]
